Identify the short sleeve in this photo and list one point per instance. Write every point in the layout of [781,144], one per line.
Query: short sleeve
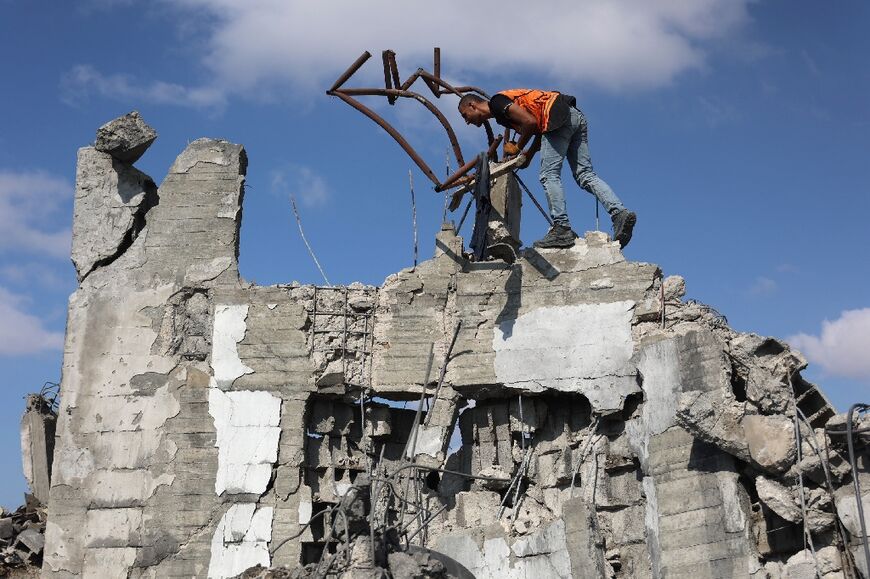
[498,106]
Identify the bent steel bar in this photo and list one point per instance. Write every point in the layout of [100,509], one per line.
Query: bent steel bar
[389,128]
[352,69]
[395,93]
[394,89]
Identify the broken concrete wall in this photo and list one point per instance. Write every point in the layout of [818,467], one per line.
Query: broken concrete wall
[589,421]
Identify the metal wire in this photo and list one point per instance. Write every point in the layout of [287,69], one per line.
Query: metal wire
[592,428]
[413,215]
[302,233]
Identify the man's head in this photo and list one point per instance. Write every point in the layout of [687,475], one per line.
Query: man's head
[474,109]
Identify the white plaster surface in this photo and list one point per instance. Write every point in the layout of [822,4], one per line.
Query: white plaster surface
[229,330]
[241,540]
[247,426]
[429,440]
[582,348]
[543,554]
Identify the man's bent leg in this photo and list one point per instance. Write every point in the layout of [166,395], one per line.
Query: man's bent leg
[554,145]
[581,166]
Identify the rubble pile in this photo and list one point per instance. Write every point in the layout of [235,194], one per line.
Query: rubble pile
[569,414]
[22,538]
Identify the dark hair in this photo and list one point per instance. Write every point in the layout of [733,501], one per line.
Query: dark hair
[467,99]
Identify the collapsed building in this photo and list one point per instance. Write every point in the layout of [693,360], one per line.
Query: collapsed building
[569,415]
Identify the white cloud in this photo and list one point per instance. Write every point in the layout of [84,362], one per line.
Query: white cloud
[266,48]
[22,333]
[28,200]
[763,286]
[27,274]
[83,81]
[306,185]
[842,346]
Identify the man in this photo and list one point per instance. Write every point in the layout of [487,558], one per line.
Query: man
[559,130]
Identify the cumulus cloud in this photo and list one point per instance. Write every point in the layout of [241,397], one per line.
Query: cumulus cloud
[84,81]
[266,48]
[842,346]
[306,185]
[22,333]
[763,286]
[29,200]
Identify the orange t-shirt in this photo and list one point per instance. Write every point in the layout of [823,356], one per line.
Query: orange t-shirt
[538,102]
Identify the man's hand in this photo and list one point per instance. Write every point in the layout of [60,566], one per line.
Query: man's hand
[511,149]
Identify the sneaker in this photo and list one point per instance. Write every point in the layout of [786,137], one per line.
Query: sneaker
[623,225]
[558,236]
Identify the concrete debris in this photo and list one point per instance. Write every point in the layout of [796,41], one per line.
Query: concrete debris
[22,539]
[778,498]
[565,415]
[125,138]
[771,442]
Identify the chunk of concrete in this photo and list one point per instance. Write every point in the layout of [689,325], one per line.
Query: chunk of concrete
[847,509]
[675,287]
[771,442]
[765,365]
[712,419]
[111,200]
[778,499]
[125,138]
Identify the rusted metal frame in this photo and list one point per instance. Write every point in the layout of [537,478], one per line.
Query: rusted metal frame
[493,147]
[394,69]
[411,79]
[455,176]
[391,130]
[454,179]
[436,67]
[352,69]
[388,78]
[395,93]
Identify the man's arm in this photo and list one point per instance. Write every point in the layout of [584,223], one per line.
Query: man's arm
[530,153]
[524,123]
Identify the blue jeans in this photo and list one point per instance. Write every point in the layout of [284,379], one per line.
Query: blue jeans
[571,140]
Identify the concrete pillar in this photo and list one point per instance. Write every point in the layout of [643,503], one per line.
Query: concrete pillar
[37,446]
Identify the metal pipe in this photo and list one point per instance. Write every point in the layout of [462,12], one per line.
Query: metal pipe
[394,69]
[443,373]
[349,72]
[437,65]
[394,93]
[535,201]
[455,176]
[392,132]
[388,78]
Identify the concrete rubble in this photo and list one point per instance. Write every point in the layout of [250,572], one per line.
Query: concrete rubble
[589,420]
[22,538]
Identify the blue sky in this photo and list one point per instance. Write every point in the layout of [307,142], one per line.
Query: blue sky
[736,129]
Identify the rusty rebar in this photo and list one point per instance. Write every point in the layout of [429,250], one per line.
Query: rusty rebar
[388,77]
[392,132]
[455,176]
[395,93]
[352,69]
